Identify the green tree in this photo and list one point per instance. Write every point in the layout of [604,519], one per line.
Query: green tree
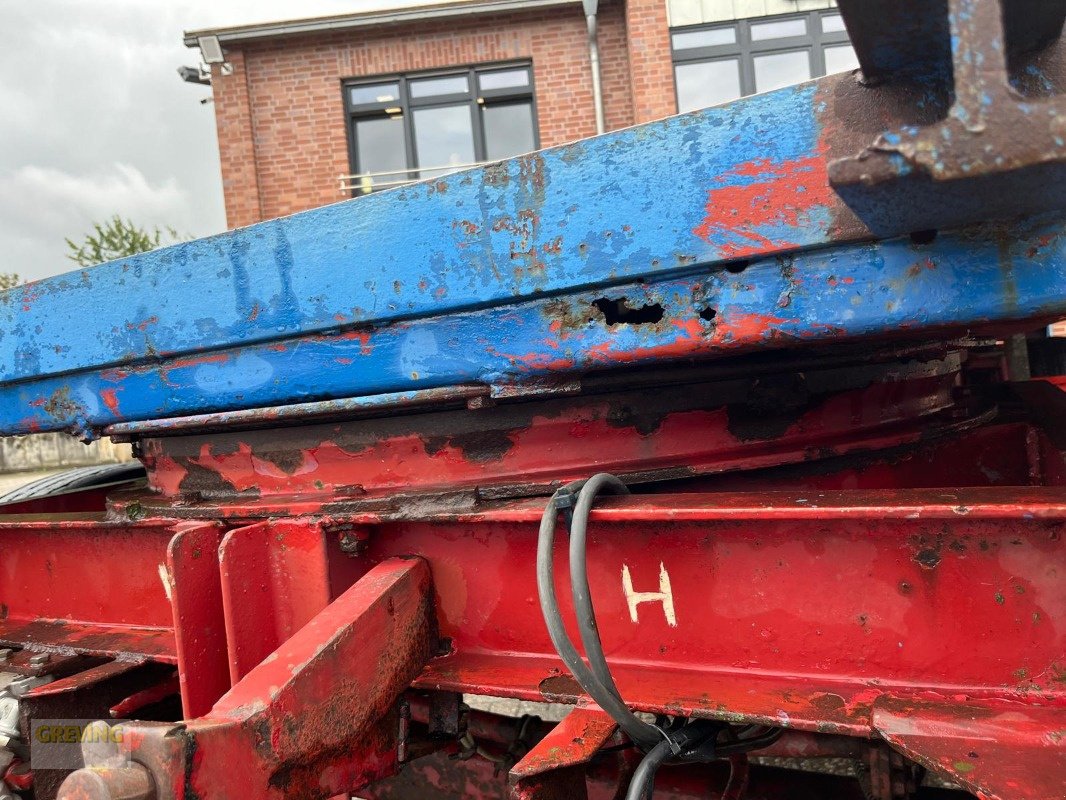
[117,238]
[8,280]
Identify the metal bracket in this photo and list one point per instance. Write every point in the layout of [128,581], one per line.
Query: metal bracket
[997,153]
[555,768]
[316,718]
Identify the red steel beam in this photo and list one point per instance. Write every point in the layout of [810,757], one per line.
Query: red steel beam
[79,582]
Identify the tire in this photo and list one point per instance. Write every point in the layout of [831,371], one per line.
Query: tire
[72,480]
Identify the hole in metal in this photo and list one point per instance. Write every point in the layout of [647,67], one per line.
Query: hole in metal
[619,312]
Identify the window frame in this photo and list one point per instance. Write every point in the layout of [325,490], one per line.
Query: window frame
[745,49]
[474,98]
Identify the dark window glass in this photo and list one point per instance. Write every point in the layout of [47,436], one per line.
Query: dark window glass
[503,79]
[508,129]
[707,83]
[444,137]
[374,93]
[434,87]
[421,126]
[717,63]
[380,147]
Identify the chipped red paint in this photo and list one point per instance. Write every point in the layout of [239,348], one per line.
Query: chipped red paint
[861,547]
[987,749]
[110,398]
[347,733]
[554,768]
[675,434]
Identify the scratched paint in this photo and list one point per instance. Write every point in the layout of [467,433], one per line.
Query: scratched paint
[986,277]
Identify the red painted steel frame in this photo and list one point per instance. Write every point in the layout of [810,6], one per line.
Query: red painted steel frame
[807,610]
[857,600]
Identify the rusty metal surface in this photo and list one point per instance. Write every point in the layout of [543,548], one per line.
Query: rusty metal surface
[736,563]
[79,584]
[847,532]
[537,267]
[998,151]
[983,280]
[658,432]
[279,415]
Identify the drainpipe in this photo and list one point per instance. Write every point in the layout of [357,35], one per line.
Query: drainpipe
[594,57]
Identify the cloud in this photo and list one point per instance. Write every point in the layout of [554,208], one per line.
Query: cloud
[40,206]
[95,120]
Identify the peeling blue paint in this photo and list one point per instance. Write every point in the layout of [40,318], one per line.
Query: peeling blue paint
[987,275]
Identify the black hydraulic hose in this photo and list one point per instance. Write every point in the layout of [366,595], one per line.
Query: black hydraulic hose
[643,782]
[579,577]
[639,731]
[695,741]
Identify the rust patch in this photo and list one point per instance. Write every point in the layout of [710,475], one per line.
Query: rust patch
[773,405]
[927,558]
[563,316]
[202,482]
[480,446]
[60,406]
[622,415]
[288,461]
[560,688]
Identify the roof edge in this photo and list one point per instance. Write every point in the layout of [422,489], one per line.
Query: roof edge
[266,30]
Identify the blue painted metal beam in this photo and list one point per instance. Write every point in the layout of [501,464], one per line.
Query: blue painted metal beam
[489,276]
[990,277]
[726,183]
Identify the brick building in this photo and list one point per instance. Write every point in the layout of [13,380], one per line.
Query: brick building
[312,111]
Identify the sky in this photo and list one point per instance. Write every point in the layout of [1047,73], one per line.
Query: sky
[94,120]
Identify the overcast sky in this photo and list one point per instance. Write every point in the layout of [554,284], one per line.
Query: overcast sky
[94,119]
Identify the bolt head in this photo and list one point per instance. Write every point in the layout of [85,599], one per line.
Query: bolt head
[106,783]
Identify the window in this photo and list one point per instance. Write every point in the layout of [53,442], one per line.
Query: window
[714,64]
[409,127]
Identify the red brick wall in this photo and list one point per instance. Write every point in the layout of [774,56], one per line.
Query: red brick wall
[650,66]
[240,183]
[280,115]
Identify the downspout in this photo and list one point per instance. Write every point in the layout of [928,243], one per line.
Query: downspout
[594,58]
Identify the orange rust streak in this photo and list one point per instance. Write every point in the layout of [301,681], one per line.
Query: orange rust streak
[196,361]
